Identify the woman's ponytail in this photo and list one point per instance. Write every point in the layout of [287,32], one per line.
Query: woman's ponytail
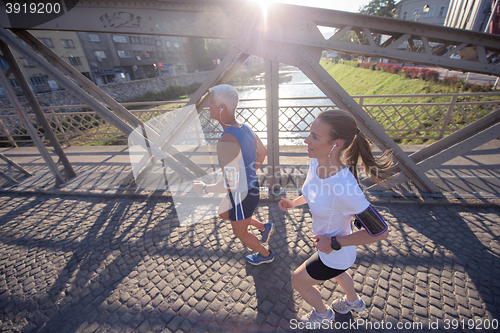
[343,126]
[378,168]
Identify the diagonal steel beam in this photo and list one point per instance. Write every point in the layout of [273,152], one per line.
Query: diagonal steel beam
[222,73]
[15,165]
[441,150]
[342,99]
[30,96]
[93,103]
[454,138]
[461,148]
[9,91]
[76,76]
[100,94]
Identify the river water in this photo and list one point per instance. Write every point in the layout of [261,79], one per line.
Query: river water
[294,122]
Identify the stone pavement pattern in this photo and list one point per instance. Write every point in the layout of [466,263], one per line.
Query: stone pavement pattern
[114,264]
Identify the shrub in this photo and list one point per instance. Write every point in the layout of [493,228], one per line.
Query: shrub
[368,65]
[389,68]
[349,63]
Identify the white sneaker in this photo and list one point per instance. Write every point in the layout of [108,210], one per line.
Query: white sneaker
[316,319]
[341,305]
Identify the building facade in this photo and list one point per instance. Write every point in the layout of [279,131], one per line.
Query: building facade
[123,57]
[66,44]
[423,11]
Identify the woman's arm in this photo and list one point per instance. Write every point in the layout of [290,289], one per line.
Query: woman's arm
[285,203]
[362,237]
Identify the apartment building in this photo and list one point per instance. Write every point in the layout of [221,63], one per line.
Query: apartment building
[66,44]
[423,11]
[105,57]
[124,57]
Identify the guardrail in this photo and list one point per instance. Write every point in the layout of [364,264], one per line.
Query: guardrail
[407,119]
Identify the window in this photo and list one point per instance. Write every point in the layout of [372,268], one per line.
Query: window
[158,42]
[142,54]
[416,14]
[47,42]
[430,13]
[148,41]
[405,15]
[176,44]
[38,81]
[168,43]
[68,43]
[27,63]
[3,64]
[14,83]
[119,39]
[74,60]
[125,54]
[100,55]
[442,11]
[135,40]
[94,38]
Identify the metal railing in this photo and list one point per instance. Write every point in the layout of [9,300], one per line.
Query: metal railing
[408,119]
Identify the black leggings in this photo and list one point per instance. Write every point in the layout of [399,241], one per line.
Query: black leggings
[319,271]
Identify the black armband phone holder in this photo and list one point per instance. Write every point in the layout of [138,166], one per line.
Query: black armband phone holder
[371,220]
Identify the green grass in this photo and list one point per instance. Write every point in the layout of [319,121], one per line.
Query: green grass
[360,81]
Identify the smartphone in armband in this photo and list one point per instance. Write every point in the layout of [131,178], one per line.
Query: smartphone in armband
[231,178]
[371,220]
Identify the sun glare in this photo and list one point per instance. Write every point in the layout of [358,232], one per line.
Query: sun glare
[264,3]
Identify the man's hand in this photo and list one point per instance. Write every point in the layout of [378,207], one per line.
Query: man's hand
[323,243]
[198,187]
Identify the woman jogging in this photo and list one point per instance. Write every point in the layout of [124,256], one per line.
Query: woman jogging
[332,191]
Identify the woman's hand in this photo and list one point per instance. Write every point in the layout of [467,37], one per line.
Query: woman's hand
[285,204]
[198,187]
[323,243]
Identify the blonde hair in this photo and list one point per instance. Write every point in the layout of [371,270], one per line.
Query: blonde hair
[343,126]
[227,95]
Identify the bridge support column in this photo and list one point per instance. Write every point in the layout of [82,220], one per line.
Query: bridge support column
[272,111]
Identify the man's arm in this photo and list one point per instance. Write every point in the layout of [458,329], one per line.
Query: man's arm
[228,152]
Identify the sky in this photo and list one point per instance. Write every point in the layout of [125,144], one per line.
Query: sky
[344,5]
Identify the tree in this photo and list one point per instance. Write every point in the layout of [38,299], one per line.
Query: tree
[379,8]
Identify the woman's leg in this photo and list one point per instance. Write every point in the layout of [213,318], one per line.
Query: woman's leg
[346,282]
[305,285]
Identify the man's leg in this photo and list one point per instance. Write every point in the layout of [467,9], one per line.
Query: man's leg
[240,230]
[257,224]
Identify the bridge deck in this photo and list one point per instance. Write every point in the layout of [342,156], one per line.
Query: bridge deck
[102,169]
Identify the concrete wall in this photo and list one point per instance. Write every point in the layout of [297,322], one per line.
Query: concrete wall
[120,91]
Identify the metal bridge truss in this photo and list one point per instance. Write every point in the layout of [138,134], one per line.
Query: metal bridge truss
[278,33]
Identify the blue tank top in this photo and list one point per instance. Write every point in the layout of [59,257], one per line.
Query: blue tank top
[248,142]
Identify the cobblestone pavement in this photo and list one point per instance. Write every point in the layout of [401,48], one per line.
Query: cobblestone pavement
[108,264]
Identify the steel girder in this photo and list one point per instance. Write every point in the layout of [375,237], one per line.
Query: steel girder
[401,40]
[288,34]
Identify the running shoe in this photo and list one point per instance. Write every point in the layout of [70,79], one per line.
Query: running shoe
[257,259]
[268,231]
[316,320]
[343,306]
